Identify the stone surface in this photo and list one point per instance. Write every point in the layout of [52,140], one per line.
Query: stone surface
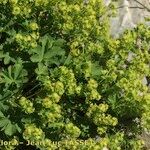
[130,13]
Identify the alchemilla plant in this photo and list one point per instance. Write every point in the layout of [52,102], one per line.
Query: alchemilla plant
[65,83]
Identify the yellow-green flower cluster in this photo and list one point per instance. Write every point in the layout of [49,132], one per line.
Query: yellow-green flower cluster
[92,84]
[74,47]
[3,2]
[98,114]
[33,26]
[82,21]
[138,144]
[113,45]
[106,120]
[56,88]
[21,9]
[141,66]
[84,67]
[51,111]
[41,2]
[102,130]
[132,87]
[26,105]
[66,82]
[33,133]
[111,64]
[128,38]
[91,92]
[72,131]
[67,77]
[115,141]
[54,97]
[59,87]
[13,1]
[101,108]
[46,102]
[95,47]
[28,41]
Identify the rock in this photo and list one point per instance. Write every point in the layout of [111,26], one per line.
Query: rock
[130,13]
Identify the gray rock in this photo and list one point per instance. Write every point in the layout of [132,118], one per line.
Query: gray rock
[144,81]
[130,13]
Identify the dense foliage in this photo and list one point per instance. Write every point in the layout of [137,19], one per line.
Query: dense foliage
[66,82]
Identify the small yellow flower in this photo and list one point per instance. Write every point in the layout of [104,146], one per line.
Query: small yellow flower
[76,8]
[114,121]
[33,44]
[35,35]
[33,26]
[47,102]
[18,37]
[28,38]
[75,52]
[16,10]
[55,97]
[14,1]
[30,110]
[103,107]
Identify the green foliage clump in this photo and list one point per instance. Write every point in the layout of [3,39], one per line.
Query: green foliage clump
[65,82]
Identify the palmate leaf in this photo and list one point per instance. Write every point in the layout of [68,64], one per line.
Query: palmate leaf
[3,123]
[6,58]
[41,69]
[38,55]
[7,126]
[49,52]
[14,75]
[1,115]
[95,70]
[10,129]
[1,53]
[3,107]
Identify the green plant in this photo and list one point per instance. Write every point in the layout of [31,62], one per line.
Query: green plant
[65,81]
